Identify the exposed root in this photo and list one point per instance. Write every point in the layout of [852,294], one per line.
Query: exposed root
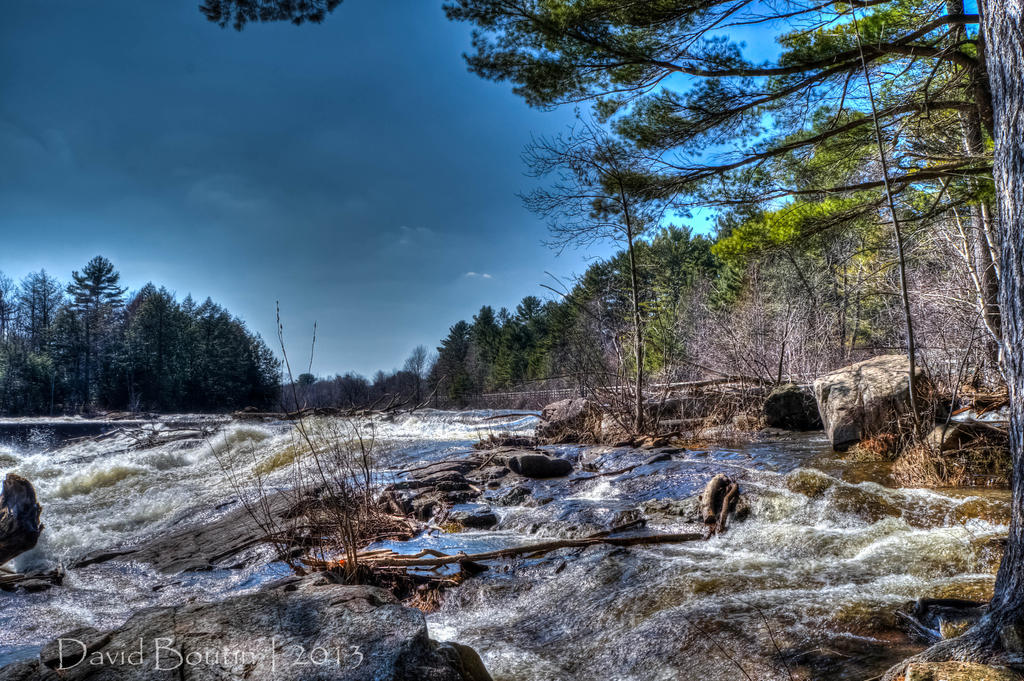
[976,645]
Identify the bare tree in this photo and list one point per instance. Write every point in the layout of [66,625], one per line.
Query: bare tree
[602,192]
[417,364]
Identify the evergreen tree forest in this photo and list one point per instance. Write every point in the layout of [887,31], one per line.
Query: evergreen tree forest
[88,344]
[742,301]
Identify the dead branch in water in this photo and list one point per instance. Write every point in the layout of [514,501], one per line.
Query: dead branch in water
[433,559]
[31,582]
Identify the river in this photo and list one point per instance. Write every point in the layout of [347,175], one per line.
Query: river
[807,586]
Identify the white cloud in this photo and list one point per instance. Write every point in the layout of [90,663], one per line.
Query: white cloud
[409,235]
[481,275]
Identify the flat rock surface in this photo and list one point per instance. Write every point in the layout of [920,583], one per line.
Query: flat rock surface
[220,543]
[306,629]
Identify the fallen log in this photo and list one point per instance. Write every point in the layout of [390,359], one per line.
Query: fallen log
[31,582]
[513,415]
[19,517]
[428,558]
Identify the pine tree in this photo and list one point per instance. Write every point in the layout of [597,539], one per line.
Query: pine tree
[451,372]
[95,297]
[40,296]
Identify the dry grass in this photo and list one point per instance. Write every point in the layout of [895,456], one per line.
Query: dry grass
[983,463]
[880,447]
[330,489]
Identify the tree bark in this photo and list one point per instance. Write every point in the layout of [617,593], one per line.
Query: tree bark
[1004,43]
[19,517]
[983,254]
[999,636]
[638,332]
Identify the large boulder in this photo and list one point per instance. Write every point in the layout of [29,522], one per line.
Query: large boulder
[300,629]
[539,466]
[792,407]
[864,399]
[575,420]
[19,517]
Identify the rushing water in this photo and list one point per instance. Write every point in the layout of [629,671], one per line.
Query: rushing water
[811,580]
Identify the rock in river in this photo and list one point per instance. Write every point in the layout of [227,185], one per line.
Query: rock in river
[539,466]
[19,517]
[306,629]
[864,399]
[477,518]
[792,407]
[958,671]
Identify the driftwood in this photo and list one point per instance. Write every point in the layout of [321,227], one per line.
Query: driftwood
[31,582]
[664,456]
[394,405]
[519,414]
[933,619]
[716,503]
[146,437]
[19,517]
[432,559]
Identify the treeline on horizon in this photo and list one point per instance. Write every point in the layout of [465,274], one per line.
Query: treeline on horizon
[741,301]
[88,345]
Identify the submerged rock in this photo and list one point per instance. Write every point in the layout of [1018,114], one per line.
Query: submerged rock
[515,496]
[304,629]
[687,509]
[996,511]
[539,466]
[473,519]
[933,619]
[809,482]
[228,542]
[792,407]
[864,399]
[573,420]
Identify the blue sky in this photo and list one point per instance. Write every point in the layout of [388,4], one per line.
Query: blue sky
[354,171]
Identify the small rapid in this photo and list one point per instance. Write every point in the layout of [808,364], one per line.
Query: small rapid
[810,581]
[809,584]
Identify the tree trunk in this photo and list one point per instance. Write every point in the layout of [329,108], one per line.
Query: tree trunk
[1004,47]
[638,341]
[999,636]
[901,260]
[984,258]
[19,517]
